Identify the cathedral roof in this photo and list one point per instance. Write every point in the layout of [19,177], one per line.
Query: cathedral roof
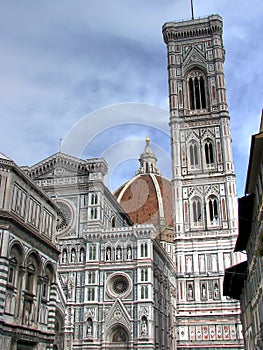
[61,164]
[3,156]
[147,197]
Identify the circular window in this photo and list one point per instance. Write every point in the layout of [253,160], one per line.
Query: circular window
[119,285]
[64,216]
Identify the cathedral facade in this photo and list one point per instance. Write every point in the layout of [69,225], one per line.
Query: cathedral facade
[117,280]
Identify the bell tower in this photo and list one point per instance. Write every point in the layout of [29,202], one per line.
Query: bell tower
[203,184]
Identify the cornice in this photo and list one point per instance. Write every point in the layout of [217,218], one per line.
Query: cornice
[135,232]
[10,166]
[196,29]
[9,221]
[59,159]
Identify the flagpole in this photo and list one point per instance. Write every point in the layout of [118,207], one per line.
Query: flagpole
[192,8]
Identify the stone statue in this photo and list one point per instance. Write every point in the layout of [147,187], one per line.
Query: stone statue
[144,328]
[118,254]
[129,253]
[108,254]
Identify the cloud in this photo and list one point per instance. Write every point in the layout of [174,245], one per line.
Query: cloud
[63,60]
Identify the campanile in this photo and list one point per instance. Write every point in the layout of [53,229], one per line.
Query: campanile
[204,189]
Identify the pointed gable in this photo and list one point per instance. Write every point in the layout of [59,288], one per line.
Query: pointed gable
[118,315]
[57,165]
[195,57]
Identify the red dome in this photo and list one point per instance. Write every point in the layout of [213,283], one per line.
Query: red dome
[147,198]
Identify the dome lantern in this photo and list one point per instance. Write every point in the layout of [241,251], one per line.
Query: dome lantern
[148,160]
[147,197]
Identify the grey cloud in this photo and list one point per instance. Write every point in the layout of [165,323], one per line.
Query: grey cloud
[63,60]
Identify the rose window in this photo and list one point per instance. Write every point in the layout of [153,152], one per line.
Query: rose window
[64,216]
[119,285]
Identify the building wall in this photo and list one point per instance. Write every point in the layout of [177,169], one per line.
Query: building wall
[117,279]
[251,294]
[28,260]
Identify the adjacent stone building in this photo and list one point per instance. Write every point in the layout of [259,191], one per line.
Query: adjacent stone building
[28,258]
[244,281]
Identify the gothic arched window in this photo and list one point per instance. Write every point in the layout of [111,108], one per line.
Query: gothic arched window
[91,277]
[113,221]
[45,287]
[15,260]
[196,89]
[93,213]
[209,152]
[31,287]
[144,292]
[197,211]
[147,167]
[193,153]
[91,294]
[47,280]
[92,252]
[144,250]
[12,272]
[213,210]
[144,274]
[30,278]
[94,198]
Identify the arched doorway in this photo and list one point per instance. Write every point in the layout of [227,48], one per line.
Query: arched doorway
[118,338]
[59,331]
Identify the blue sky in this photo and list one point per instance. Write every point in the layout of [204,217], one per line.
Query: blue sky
[63,62]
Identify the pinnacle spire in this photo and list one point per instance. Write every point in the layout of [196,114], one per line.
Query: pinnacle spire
[148,160]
